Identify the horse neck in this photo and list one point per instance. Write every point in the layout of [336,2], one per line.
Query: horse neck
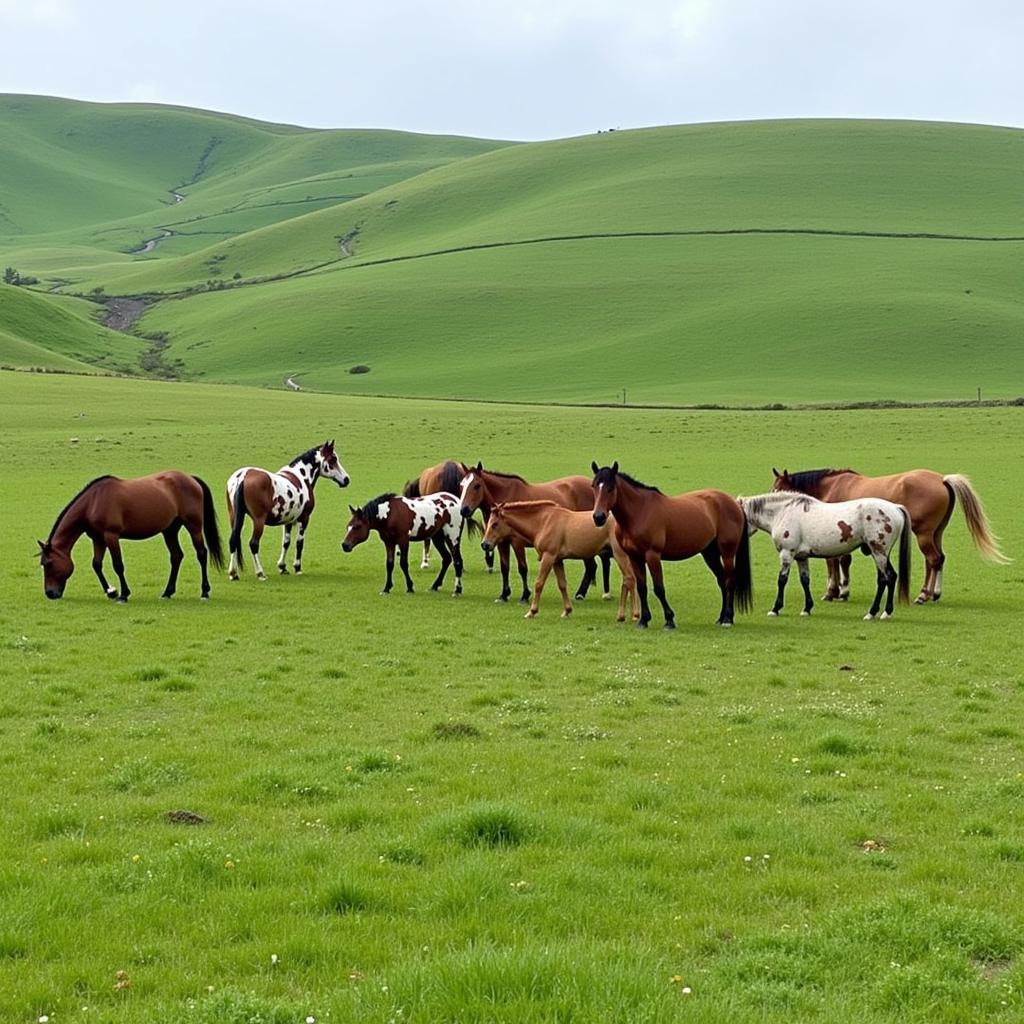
[628,503]
[72,525]
[522,521]
[313,467]
[763,510]
[500,488]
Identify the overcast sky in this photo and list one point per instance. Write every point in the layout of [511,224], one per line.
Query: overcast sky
[528,69]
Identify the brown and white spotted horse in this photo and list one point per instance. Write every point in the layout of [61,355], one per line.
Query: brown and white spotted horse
[400,520]
[278,499]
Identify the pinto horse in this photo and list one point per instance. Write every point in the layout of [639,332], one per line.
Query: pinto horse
[485,488]
[400,520]
[445,476]
[930,499]
[650,527]
[108,510]
[802,527]
[278,499]
[558,533]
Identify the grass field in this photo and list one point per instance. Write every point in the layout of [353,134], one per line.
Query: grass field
[422,809]
[738,263]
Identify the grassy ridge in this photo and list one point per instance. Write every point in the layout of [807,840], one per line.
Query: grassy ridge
[424,809]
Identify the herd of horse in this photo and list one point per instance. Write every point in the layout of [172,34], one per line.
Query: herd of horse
[609,515]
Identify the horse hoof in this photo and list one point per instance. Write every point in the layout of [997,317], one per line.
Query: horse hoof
[204,597]
[579,596]
[725,625]
[805,613]
[501,600]
[166,597]
[641,625]
[606,597]
[233,577]
[385,593]
[844,597]
[935,597]
[868,617]
[122,600]
[773,614]
[283,570]
[884,615]
[298,571]
[112,594]
[262,577]
[669,624]
[530,615]
[921,599]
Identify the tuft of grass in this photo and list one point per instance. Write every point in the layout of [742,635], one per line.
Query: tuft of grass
[454,731]
[491,825]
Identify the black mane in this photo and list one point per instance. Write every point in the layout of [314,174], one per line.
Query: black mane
[369,510]
[64,510]
[497,472]
[307,456]
[638,483]
[807,479]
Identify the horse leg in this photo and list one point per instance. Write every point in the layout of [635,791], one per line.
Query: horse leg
[805,582]
[547,563]
[195,531]
[563,587]
[300,543]
[589,576]
[785,562]
[933,561]
[286,543]
[99,549]
[606,574]
[844,577]
[389,548]
[640,579]
[524,572]
[174,550]
[425,561]
[882,580]
[712,556]
[442,547]
[832,584]
[254,546]
[456,546]
[114,544]
[403,559]
[503,550]
[489,560]
[657,578]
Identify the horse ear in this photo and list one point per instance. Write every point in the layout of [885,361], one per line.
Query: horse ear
[615,467]
[775,473]
[353,509]
[42,545]
[595,467]
[479,467]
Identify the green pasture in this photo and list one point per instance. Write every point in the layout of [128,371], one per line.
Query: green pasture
[425,809]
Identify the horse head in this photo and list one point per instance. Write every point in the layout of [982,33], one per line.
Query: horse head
[358,529]
[57,568]
[498,528]
[472,490]
[783,481]
[330,466]
[604,490]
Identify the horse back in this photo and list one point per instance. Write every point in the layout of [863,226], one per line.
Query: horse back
[921,491]
[142,507]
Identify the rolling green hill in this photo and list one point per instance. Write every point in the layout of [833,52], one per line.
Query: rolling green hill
[757,262]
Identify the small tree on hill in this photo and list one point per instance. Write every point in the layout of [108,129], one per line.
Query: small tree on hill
[11,276]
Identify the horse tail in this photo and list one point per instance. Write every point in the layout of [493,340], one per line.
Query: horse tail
[412,489]
[211,532]
[984,539]
[451,477]
[743,593]
[472,527]
[904,566]
[238,504]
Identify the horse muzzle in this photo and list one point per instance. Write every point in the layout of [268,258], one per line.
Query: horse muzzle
[600,518]
[345,546]
[54,595]
[487,546]
[466,511]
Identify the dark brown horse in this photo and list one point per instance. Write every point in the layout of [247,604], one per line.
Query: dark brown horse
[444,476]
[652,527]
[928,496]
[485,488]
[108,510]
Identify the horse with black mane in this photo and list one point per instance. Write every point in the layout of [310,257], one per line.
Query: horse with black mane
[109,510]
[278,499]
[400,520]
[928,496]
[651,527]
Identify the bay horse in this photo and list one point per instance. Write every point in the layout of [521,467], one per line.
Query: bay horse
[558,533]
[651,527]
[801,527]
[400,520]
[283,499]
[109,510]
[928,496]
[485,488]
[445,476]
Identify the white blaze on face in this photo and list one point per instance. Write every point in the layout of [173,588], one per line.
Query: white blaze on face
[465,487]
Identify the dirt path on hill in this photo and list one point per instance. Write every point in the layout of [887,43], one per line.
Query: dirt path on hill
[122,314]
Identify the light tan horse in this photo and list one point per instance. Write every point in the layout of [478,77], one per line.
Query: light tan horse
[928,496]
[558,533]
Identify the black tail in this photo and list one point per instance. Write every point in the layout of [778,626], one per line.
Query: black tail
[412,489]
[472,527]
[451,476]
[211,532]
[904,569]
[235,541]
[743,594]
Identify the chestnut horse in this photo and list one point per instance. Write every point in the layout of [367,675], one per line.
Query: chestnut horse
[801,527]
[930,499]
[445,476]
[278,499]
[400,520]
[108,510]
[484,488]
[651,526]
[558,533]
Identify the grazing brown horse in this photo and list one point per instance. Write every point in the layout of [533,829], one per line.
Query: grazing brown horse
[558,533]
[283,499]
[651,526]
[109,510]
[928,496]
[485,488]
[445,476]
[400,520]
